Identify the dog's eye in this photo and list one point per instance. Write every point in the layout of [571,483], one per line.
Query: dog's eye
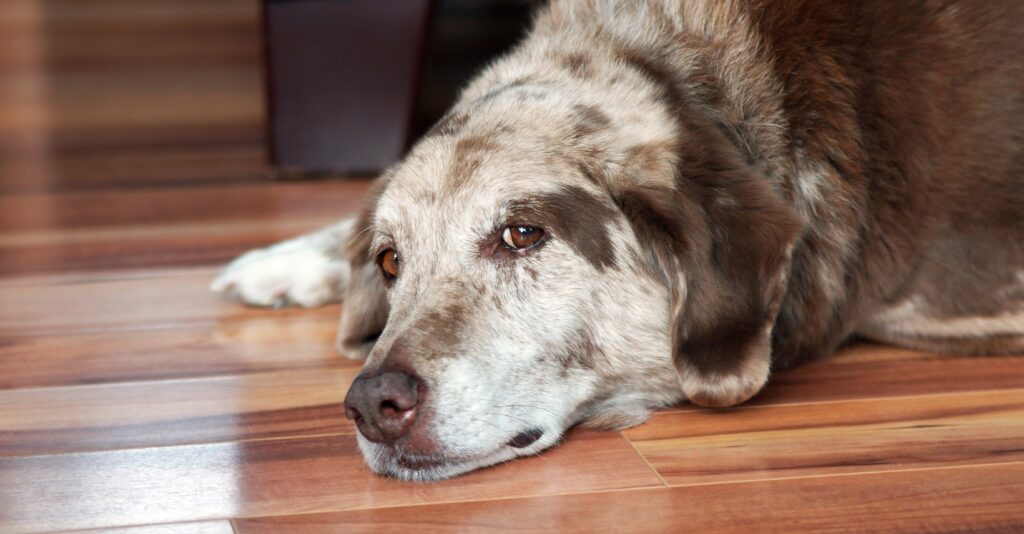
[388,262]
[520,237]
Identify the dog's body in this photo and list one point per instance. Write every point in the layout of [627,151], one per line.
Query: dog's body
[722,188]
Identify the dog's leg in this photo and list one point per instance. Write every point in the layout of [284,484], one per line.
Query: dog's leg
[908,326]
[308,271]
[957,307]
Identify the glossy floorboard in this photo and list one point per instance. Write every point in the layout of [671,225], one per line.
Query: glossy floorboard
[131,397]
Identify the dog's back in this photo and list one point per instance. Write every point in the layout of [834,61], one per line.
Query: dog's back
[895,128]
[918,107]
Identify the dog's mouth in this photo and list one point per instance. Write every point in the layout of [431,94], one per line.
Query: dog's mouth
[421,463]
[396,463]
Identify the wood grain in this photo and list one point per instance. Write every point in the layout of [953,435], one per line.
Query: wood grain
[126,92]
[157,227]
[153,301]
[703,447]
[58,420]
[246,344]
[969,499]
[870,370]
[276,476]
[200,527]
[31,215]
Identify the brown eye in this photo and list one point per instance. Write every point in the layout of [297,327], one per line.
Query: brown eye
[520,237]
[388,261]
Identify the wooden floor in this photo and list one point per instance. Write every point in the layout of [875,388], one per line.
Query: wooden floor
[131,164]
[131,396]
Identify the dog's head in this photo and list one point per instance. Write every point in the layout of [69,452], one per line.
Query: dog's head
[543,259]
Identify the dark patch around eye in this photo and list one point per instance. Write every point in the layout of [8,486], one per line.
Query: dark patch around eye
[581,220]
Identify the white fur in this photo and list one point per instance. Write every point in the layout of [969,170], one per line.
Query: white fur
[299,272]
[910,318]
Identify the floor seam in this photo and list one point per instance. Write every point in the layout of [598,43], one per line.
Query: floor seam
[644,459]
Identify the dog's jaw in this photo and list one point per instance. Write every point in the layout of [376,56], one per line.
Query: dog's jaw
[391,462]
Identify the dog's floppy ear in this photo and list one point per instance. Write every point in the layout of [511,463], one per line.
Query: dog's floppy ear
[722,238]
[365,306]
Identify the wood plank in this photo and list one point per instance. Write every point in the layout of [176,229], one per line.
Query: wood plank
[147,247]
[159,300]
[768,442]
[56,420]
[132,208]
[149,228]
[201,527]
[869,370]
[274,477]
[975,499]
[264,342]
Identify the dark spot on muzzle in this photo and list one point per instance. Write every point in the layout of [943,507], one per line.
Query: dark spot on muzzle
[526,438]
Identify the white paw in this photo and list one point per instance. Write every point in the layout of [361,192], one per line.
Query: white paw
[287,274]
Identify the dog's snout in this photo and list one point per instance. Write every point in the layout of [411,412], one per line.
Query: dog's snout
[383,406]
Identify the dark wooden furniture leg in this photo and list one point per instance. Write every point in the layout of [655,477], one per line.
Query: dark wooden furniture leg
[342,78]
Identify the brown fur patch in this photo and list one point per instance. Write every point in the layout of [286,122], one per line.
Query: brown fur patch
[578,65]
[581,219]
[469,154]
[578,352]
[648,158]
[589,120]
[438,333]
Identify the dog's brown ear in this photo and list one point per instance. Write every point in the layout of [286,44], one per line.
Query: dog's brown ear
[722,237]
[364,307]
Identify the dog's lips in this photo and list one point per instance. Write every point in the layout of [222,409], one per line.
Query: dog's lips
[526,438]
[414,463]
[414,467]
[408,465]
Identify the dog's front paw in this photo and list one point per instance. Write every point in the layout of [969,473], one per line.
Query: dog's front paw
[288,274]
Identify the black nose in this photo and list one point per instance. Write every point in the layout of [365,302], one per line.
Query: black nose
[383,406]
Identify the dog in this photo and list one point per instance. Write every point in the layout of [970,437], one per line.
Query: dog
[647,203]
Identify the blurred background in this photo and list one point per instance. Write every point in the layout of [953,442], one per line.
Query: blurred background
[122,117]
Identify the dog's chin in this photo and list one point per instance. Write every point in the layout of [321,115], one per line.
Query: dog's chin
[391,462]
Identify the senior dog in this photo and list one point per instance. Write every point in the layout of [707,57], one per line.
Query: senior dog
[651,202]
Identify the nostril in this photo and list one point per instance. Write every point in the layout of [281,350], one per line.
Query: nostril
[383,406]
[390,409]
